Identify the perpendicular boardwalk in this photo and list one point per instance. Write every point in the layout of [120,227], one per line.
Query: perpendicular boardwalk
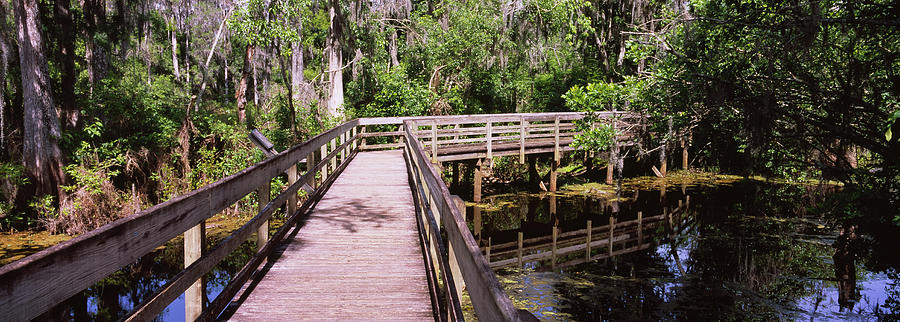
[356,257]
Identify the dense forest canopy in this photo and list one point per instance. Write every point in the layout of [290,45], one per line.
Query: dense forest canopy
[108,107]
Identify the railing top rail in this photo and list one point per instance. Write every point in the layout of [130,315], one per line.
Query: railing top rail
[481,118]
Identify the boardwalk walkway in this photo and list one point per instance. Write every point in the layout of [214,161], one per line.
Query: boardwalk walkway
[356,257]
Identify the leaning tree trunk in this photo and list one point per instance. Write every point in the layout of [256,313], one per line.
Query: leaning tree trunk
[241,93]
[41,155]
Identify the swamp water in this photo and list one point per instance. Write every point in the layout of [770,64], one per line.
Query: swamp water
[716,250]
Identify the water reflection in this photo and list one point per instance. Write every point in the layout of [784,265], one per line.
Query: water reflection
[748,250]
[114,297]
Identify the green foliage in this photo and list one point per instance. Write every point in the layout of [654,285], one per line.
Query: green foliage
[44,206]
[602,96]
[891,121]
[395,95]
[598,138]
[14,173]
[259,22]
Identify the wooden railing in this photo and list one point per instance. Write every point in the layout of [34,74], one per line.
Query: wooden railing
[455,263]
[38,282]
[461,137]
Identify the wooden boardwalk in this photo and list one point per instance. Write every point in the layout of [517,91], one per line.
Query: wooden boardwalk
[356,257]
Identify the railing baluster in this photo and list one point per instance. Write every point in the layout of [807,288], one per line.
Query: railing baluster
[262,233]
[522,140]
[434,155]
[556,154]
[490,141]
[195,295]
[323,152]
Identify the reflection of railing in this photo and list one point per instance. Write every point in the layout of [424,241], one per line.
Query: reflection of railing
[594,242]
[33,285]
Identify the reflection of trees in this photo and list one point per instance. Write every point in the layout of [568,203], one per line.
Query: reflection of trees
[743,244]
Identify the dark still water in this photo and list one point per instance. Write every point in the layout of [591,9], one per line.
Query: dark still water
[741,250]
[116,296]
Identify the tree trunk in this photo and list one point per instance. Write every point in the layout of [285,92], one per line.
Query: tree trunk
[65,57]
[41,155]
[335,74]
[296,70]
[241,93]
[4,63]
[146,42]
[94,14]
[174,40]
[394,61]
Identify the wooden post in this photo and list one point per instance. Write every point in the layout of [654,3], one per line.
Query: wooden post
[556,152]
[262,233]
[553,166]
[612,224]
[587,251]
[476,214]
[668,215]
[324,152]
[609,168]
[519,252]
[640,228]
[310,166]
[195,295]
[487,254]
[344,138]
[490,141]
[664,165]
[363,136]
[684,154]
[553,208]
[292,200]
[353,137]
[477,191]
[553,250]
[334,159]
[522,140]
[434,156]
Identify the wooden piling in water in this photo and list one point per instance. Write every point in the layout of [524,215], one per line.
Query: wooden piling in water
[553,254]
[612,224]
[587,250]
[519,251]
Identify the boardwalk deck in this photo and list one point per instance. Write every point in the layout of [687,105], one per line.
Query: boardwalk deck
[356,257]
